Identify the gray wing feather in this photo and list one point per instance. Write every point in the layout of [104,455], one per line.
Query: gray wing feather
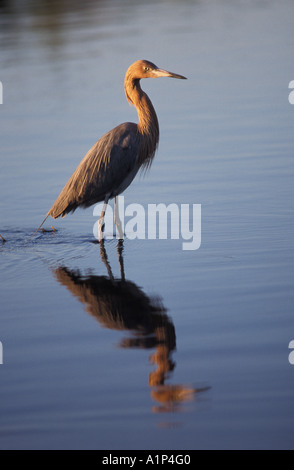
[104,171]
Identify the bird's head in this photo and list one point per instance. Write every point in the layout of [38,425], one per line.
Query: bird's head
[146,69]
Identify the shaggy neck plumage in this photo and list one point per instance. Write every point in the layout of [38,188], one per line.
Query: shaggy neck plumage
[148,128]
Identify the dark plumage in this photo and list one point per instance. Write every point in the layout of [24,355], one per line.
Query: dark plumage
[103,172]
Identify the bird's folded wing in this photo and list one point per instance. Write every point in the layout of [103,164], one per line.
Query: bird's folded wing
[101,172]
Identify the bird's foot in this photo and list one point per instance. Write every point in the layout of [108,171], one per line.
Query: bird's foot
[120,232]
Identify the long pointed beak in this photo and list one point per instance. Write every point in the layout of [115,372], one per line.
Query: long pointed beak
[164,73]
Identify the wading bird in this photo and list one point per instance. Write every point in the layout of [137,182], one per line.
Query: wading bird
[112,163]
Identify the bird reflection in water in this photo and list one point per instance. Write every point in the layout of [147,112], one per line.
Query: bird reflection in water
[120,304]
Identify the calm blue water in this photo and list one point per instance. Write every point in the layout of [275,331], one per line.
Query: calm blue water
[191,350]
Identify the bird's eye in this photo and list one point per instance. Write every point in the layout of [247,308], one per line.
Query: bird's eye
[146,69]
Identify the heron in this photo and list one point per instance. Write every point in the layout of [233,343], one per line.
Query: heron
[112,163]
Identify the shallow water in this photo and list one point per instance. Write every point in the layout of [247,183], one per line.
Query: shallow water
[190,351]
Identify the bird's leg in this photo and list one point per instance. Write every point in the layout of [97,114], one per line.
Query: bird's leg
[101,224]
[117,221]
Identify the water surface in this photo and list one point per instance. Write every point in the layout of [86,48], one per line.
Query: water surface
[145,345]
